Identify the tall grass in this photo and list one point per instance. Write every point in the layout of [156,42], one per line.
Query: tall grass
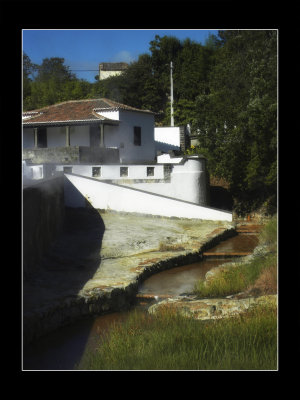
[240,277]
[268,235]
[168,341]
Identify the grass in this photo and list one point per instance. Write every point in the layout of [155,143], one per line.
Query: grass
[258,275]
[170,247]
[168,341]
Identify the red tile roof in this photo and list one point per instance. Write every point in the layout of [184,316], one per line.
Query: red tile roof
[75,110]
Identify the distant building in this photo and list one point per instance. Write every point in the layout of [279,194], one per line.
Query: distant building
[106,70]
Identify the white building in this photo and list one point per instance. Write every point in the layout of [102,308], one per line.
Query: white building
[106,70]
[108,154]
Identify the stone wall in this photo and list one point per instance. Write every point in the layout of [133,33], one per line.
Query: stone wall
[65,155]
[43,216]
[71,155]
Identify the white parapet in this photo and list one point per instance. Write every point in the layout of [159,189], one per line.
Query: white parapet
[121,198]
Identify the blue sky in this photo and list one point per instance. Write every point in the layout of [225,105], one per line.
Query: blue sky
[85,49]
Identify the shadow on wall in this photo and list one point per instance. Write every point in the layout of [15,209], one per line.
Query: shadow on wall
[64,268]
[220,198]
[71,261]
[74,254]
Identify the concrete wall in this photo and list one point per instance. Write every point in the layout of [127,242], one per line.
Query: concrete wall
[120,198]
[128,151]
[28,138]
[112,172]
[52,155]
[188,182]
[167,138]
[80,135]
[108,74]
[43,215]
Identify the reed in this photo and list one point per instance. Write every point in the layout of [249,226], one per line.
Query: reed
[168,341]
[241,277]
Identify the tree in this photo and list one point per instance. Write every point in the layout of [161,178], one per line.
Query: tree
[29,70]
[54,83]
[237,119]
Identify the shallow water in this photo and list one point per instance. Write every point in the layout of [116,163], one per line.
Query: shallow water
[179,280]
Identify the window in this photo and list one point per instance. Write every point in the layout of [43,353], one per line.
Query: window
[150,171]
[68,170]
[96,171]
[42,137]
[137,136]
[123,171]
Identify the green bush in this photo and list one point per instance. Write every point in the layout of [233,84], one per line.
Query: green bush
[236,278]
[268,234]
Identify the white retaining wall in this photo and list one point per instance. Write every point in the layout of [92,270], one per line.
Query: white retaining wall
[120,198]
[112,171]
[188,182]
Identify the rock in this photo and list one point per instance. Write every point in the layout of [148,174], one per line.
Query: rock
[211,308]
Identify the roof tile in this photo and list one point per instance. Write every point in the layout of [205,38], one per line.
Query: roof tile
[75,110]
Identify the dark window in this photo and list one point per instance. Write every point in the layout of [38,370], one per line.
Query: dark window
[68,170]
[96,171]
[42,137]
[94,136]
[123,171]
[137,136]
[150,171]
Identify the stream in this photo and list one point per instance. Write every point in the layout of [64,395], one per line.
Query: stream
[63,348]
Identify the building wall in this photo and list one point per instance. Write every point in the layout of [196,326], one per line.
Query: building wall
[168,134]
[108,74]
[43,216]
[112,172]
[120,198]
[80,135]
[56,136]
[129,152]
[188,182]
[111,114]
[28,138]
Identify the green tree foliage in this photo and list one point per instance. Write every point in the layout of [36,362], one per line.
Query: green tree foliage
[146,82]
[237,119]
[53,83]
[29,70]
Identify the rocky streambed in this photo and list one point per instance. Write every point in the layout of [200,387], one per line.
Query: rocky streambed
[99,261]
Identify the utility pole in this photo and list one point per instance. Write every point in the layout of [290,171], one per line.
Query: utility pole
[171,77]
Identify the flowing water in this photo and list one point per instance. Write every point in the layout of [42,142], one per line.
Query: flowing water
[63,349]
